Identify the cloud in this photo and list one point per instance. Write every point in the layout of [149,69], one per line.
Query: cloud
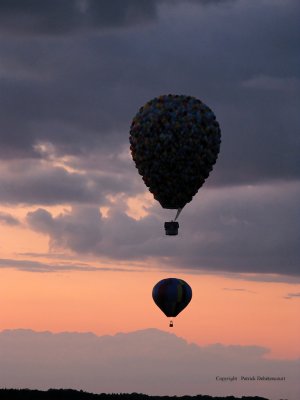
[84,230]
[81,230]
[238,290]
[233,231]
[59,18]
[8,219]
[292,295]
[78,16]
[81,94]
[272,83]
[263,277]
[35,266]
[40,182]
[66,266]
[67,102]
[143,361]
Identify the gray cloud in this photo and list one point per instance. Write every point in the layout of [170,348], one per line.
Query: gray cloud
[264,277]
[232,231]
[143,361]
[238,290]
[80,95]
[67,101]
[66,266]
[35,266]
[84,230]
[273,83]
[8,219]
[292,296]
[37,182]
[80,230]
[56,18]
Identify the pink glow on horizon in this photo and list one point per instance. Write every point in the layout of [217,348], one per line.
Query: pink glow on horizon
[107,302]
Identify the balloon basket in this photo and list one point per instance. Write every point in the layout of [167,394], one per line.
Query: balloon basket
[171,324]
[171,228]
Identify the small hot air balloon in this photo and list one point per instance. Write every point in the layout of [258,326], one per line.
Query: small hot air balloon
[172,295]
[174,142]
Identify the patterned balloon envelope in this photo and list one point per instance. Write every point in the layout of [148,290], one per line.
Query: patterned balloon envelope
[172,295]
[174,142]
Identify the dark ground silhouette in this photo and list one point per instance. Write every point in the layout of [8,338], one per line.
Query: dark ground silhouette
[66,394]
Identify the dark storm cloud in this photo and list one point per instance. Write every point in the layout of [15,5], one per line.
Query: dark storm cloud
[8,219]
[80,92]
[56,17]
[68,100]
[240,230]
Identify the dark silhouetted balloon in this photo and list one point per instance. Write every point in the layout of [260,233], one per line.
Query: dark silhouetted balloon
[175,141]
[172,295]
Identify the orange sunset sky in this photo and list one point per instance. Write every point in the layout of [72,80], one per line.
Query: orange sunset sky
[224,309]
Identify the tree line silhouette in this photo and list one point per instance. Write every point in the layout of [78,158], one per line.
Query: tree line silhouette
[70,394]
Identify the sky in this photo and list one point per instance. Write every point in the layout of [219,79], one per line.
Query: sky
[82,240]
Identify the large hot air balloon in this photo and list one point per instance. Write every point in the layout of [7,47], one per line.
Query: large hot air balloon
[172,295]
[174,142]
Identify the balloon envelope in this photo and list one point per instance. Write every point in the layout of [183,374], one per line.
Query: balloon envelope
[172,295]
[174,142]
